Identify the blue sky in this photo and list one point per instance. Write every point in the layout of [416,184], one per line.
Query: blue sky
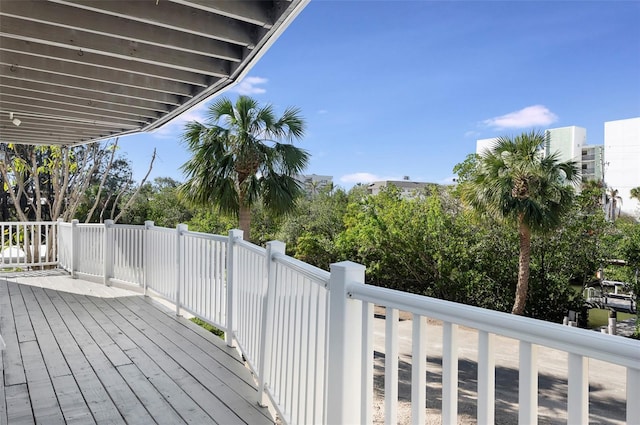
[395,88]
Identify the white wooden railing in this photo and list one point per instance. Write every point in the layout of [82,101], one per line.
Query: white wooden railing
[307,334]
[26,245]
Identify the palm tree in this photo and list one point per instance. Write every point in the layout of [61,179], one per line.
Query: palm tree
[635,193]
[516,181]
[243,154]
[614,203]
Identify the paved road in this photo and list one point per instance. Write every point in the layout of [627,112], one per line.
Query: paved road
[607,382]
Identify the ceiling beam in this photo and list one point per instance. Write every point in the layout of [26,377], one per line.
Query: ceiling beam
[50,101]
[94,74]
[83,95]
[97,86]
[105,107]
[170,15]
[118,27]
[254,12]
[102,61]
[81,41]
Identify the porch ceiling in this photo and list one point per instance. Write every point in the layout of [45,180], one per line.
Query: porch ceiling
[77,71]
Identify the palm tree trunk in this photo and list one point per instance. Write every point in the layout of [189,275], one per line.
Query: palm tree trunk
[244,215]
[524,234]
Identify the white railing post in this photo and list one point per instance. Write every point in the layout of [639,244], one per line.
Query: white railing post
[486,378]
[268,307]
[74,248]
[633,394]
[418,370]
[578,390]
[449,373]
[344,392]
[232,265]
[179,262]
[528,384]
[108,251]
[146,254]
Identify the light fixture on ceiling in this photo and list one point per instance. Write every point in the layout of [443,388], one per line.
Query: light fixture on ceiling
[15,121]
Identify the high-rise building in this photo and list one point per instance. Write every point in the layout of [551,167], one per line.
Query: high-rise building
[313,183]
[622,162]
[566,142]
[592,162]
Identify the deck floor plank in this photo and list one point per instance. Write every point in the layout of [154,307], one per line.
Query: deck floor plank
[11,358]
[82,353]
[225,385]
[53,357]
[172,367]
[24,330]
[46,409]
[3,400]
[125,400]
[19,405]
[93,396]
[182,403]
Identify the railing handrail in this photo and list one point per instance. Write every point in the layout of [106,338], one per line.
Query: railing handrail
[201,235]
[621,351]
[251,247]
[27,223]
[314,273]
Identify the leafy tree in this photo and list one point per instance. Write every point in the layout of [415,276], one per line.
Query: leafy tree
[635,193]
[51,182]
[514,181]
[244,155]
[311,230]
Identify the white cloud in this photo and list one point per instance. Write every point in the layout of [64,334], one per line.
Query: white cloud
[250,85]
[364,178]
[531,116]
[359,178]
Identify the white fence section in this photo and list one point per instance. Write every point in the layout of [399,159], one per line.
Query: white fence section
[293,372]
[126,243]
[308,334]
[65,245]
[160,257]
[28,245]
[579,344]
[88,249]
[249,292]
[204,277]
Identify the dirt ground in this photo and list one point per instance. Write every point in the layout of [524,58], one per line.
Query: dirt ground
[607,382]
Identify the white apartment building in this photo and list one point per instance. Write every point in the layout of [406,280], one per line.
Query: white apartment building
[313,183]
[566,142]
[408,188]
[622,165]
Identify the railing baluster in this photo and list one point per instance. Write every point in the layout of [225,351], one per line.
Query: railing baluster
[528,384]
[633,394]
[449,373]
[578,390]
[367,363]
[418,370]
[391,367]
[486,378]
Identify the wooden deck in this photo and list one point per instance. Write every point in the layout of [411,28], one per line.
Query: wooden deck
[82,353]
